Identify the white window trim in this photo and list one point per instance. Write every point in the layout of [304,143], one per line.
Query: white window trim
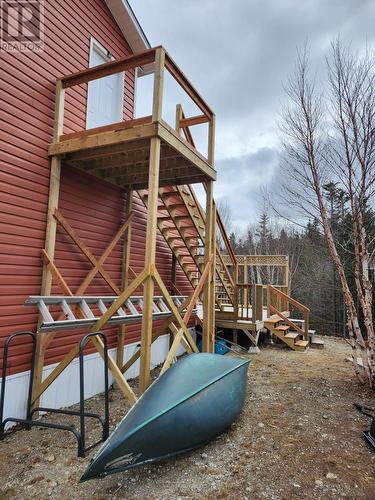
[95,45]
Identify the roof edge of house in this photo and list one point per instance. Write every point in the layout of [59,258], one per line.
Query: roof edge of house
[128,24]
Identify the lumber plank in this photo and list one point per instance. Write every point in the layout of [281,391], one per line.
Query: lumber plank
[157,100]
[103,139]
[174,310]
[150,255]
[179,332]
[113,127]
[193,120]
[208,325]
[85,250]
[167,134]
[125,272]
[50,241]
[110,68]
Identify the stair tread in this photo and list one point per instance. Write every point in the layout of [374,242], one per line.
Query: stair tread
[273,320]
[282,328]
[291,335]
[301,343]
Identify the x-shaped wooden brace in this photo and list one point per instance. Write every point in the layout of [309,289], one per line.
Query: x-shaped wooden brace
[181,334]
[181,331]
[97,267]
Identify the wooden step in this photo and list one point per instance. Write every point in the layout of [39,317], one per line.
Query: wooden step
[301,343]
[272,320]
[291,335]
[282,328]
[170,193]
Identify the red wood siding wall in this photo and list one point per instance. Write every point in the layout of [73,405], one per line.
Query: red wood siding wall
[95,210]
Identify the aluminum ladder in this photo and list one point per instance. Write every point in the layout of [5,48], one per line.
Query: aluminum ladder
[59,312]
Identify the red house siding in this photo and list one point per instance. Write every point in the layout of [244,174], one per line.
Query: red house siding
[94,209]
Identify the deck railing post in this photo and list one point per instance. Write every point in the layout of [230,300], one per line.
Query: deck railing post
[211,141]
[306,318]
[157,100]
[258,303]
[268,301]
[286,278]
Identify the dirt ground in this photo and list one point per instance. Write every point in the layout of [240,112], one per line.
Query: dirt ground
[298,437]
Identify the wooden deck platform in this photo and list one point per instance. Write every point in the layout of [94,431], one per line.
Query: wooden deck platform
[120,154]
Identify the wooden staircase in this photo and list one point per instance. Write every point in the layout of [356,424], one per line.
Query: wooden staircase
[286,332]
[181,221]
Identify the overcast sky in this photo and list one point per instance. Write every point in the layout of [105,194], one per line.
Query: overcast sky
[237,53]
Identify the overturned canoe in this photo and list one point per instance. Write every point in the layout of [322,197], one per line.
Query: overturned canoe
[191,403]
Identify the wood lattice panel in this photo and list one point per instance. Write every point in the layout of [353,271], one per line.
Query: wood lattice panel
[259,260]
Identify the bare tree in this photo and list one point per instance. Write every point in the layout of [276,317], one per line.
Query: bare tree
[225,213]
[330,135]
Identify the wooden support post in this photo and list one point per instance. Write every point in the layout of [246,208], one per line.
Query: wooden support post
[124,275]
[51,227]
[213,278]
[208,334]
[208,303]
[159,331]
[152,209]
[148,291]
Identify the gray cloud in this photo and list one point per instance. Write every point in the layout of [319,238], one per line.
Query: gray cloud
[237,53]
[241,181]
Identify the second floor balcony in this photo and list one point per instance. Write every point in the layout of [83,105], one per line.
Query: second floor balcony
[120,152]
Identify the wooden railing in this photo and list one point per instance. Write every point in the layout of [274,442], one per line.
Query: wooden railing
[228,247]
[253,299]
[278,301]
[161,61]
[244,302]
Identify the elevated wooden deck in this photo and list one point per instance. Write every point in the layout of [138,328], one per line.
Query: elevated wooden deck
[141,154]
[120,154]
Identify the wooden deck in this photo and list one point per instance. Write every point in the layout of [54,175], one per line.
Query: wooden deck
[228,319]
[120,154]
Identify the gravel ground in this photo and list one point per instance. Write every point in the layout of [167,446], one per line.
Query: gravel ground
[298,437]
